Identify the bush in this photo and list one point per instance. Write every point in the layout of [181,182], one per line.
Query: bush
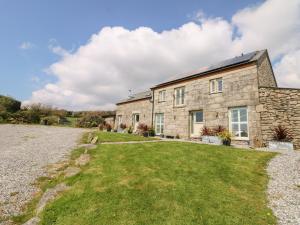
[50,120]
[281,133]
[207,131]
[218,130]
[130,130]
[226,136]
[123,126]
[142,129]
[108,127]
[9,104]
[151,132]
[89,120]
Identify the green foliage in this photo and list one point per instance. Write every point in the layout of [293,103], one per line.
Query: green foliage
[166,183]
[50,120]
[90,120]
[9,104]
[281,133]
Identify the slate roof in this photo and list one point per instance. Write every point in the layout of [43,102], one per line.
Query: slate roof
[228,63]
[137,96]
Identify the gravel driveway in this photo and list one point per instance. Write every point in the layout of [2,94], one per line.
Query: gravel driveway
[25,150]
[284,187]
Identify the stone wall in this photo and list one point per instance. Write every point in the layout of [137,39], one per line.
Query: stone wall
[240,88]
[265,73]
[142,107]
[279,106]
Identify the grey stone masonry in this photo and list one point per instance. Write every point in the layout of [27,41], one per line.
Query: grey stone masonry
[126,110]
[240,88]
[265,73]
[279,106]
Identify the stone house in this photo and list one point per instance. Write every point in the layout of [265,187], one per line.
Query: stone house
[240,94]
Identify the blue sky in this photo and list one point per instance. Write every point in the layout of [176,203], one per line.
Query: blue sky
[71,23]
[38,26]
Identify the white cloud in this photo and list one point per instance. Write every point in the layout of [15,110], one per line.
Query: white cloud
[26,45]
[101,72]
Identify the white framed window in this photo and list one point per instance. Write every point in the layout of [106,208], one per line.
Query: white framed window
[179,96]
[216,85]
[159,123]
[239,122]
[162,96]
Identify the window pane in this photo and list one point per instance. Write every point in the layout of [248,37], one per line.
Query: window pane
[244,130]
[243,115]
[182,95]
[220,85]
[234,115]
[199,117]
[235,130]
[212,86]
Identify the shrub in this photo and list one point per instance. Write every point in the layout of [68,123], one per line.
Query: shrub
[151,132]
[50,120]
[89,120]
[142,127]
[123,126]
[226,136]
[130,130]
[218,130]
[207,131]
[9,104]
[281,133]
[108,127]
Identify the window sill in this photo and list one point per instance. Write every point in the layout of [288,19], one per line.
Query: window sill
[161,101]
[179,106]
[213,93]
[240,138]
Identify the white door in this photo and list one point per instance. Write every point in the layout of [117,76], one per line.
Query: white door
[196,123]
[159,123]
[119,120]
[135,121]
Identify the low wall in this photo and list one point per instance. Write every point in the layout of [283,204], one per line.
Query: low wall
[279,106]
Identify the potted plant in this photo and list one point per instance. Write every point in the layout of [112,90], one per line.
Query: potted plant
[209,136]
[226,137]
[151,132]
[108,127]
[143,129]
[282,139]
[122,127]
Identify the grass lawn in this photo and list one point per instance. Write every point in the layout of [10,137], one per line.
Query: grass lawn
[117,137]
[166,183]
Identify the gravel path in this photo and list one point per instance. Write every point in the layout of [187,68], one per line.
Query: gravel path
[284,187]
[25,150]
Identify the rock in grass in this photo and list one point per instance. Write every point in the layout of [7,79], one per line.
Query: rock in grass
[50,195]
[82,160]
[33,221]
[71,171]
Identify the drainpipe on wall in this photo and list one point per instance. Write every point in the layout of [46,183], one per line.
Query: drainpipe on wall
[152,122]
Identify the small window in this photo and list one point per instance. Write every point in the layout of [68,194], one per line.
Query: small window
[162,96]
[216,85]
[179,96]
[239,122]
[198,118]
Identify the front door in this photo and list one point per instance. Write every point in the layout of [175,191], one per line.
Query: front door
[159,123]
[196,123]
[135,121]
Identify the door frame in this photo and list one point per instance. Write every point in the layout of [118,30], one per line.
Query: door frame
[191,121]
